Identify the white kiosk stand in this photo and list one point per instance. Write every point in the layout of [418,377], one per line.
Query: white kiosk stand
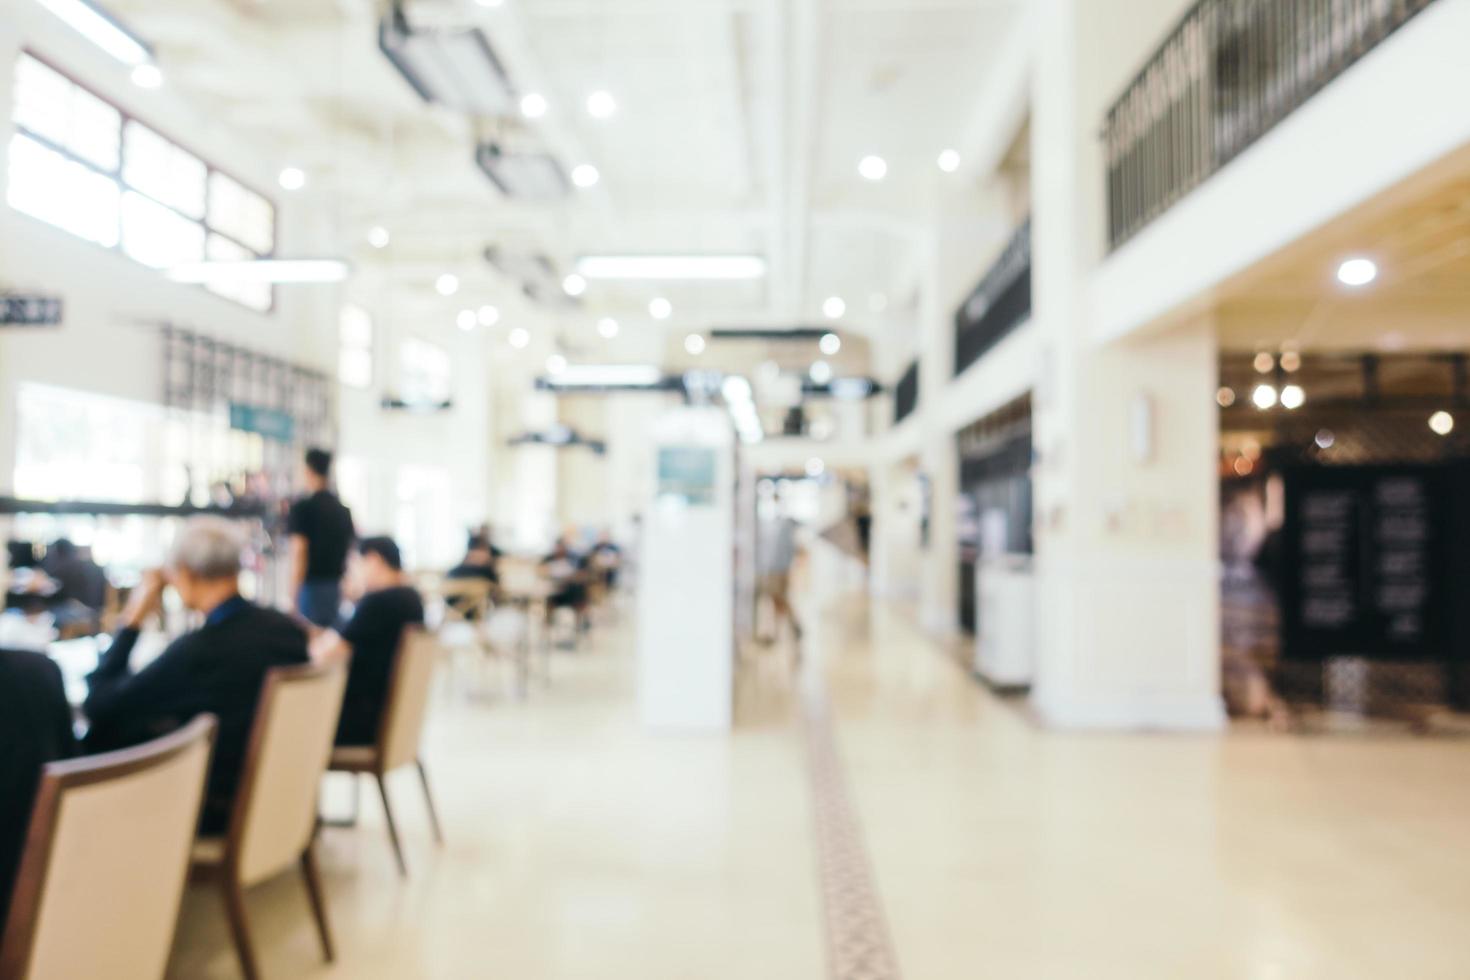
[686,575]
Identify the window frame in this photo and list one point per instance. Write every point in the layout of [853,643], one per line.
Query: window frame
[125,116]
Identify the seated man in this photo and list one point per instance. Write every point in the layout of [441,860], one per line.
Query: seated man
[608,558]
[220,668]
[370,638]
[81,585]
[35,728]
[479,562]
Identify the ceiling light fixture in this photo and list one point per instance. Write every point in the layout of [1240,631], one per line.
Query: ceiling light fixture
[660,308]
[528,176]
[1325,439]
[1442,423]
[1264,397]
[601,104]
[533,105]
[466,320]
[451,67]
[609,376]
[949,161]
[1357,272]
[833,307]
[574,285]
[830,344]
[672,267]
[447,284]
[519,338]
[292,178]
[102,29]
[378,237]
[147,75]
[694,344]
[1264,362]
[261,271]
[607,327]
[585,175]
[1225,397]
[1291,361]
[821,372]
[873,168]
[487,316]
[1293,397]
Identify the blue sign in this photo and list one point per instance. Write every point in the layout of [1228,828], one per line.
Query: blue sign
[272,423]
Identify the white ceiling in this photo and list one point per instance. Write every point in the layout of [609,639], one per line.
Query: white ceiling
[739,129]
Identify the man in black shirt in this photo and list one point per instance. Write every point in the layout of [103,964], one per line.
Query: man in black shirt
[321,535]
[35,728]
[219,668]
[370,638]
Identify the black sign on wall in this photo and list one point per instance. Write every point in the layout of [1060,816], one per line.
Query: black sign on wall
[906,394]
[1365,556]
[28,310]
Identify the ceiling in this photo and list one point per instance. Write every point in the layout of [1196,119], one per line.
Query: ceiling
[739,128]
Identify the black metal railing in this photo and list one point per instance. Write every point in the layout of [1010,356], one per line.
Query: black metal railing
[906,394]
[1228,73]
[999,304]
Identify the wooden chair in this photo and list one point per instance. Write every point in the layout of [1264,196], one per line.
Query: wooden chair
[273,824]
[400,730]
[106,860]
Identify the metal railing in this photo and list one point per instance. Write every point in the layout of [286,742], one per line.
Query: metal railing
[1228,73]
[1000,303]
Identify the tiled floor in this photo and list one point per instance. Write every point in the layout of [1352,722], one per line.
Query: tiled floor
[580,847]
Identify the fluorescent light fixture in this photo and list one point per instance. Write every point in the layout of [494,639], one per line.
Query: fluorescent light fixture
[833,307]
[601,104]
[466,320]
[519,338]
[1264,397]
[487,316]
[378,237]
[873,167]
[528,176]
[1442,423]
[1293,397]
[607,327]
[556,364]
[694,344]
[585,175]
[1357,272]
[660,308]
[949,161]
[608,376]
[261,271]
[447,284]
[455,68]
[292,178]
[574,285]
[672,267]
[102,29]
[830,344]
[820,373]
[533,105]
[147,76]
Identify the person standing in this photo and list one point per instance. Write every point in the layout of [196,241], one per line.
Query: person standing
[774,555]
[321,536]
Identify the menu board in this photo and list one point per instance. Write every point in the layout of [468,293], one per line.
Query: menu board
[1363,568]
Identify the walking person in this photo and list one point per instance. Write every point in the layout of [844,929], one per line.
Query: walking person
[775,553]
[321,536]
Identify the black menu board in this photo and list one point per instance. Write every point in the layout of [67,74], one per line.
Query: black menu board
[1364,552]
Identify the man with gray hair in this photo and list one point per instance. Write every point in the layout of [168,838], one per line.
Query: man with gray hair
[219,668]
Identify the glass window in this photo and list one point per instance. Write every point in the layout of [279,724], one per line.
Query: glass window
[46,185]
[66,440]
[424,373]
[355,354]
[157,236]
[163,171]
[241,214]
[51,106]
[256,295]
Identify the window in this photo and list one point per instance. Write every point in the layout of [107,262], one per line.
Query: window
[77,162]
[355,355]
[424,373]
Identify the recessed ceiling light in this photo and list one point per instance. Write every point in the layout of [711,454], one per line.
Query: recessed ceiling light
[1225,397]
[873,167]
[833,307]
[147,75]
[533,105]
[1264,362]
[1293,397]
[694,344]
[574,285]
[585,175]
[1442,423]
[488,316]
[601,104]
[519,338]
[466,320]
[447,284]
[1325,439]
[830,344]
[1291,361]
[821,372]
[607,327]
[556,364]
[660,308]
[1357,272]
[292,178]
[378,237]
[1264,397]
[949,161]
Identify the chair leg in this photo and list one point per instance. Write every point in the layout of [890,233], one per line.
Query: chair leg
[429,799]
[318,898]
[392,827]
[235,912]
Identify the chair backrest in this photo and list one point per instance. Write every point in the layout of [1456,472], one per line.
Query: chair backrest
[408,698]
[106,860]
[465,597]
[275,809]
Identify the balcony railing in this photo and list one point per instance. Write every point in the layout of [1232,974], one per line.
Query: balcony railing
[999,304]
[1230,71]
